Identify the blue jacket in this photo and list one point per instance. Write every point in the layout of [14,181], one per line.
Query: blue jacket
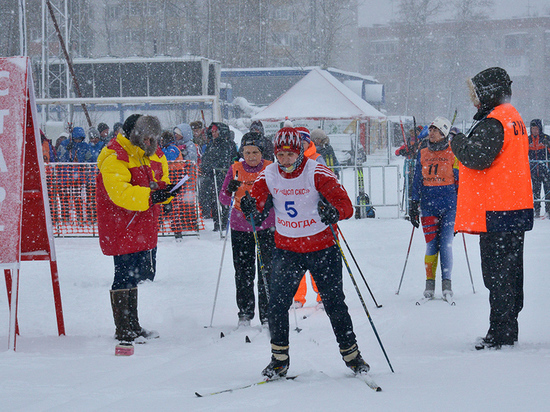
[79,153]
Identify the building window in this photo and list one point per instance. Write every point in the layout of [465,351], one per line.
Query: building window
[512,42]
[113,11]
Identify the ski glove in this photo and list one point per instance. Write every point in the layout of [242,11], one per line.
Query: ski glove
[414,214]
[248,205]
[328,213]
[233,185]
[162,195]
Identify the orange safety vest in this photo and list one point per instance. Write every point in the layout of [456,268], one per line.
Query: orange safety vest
[247,178]
[311,152]
[505,186]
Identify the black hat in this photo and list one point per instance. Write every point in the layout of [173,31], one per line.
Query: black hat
[101,127]
[252,139]
[257,126]
[536,122]
[130,123]
[493,86]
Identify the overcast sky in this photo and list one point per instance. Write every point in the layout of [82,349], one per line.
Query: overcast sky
[379,12]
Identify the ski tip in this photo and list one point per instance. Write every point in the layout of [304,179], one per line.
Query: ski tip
[417,303]
[222,335]
[378,389]
[247,339]
[198,395]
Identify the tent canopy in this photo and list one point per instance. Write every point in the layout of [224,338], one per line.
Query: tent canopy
[319,95]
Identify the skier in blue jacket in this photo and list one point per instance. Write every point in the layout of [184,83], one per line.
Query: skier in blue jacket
[434,192]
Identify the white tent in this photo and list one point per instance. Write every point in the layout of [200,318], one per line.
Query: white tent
[319,95]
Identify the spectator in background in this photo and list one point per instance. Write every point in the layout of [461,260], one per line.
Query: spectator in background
[218,156]
[183,136]
[95,148]
[75,149]
[173,209]
[199,135]
[73,177]
[170,150]
[103,130]
[117,128]
[322,142]
[267,152]
[539,144]
[62,137]
[408,150]
[48,151]
[96,144]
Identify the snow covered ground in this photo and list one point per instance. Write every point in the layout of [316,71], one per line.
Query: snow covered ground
[429,346]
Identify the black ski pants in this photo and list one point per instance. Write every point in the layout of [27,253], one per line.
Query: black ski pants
[326,268]
[502,268]
[540,179]
[133,268]
[244,262]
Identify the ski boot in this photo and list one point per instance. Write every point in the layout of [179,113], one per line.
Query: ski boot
[430,289]
[446,288]
[280,361]
[353,359]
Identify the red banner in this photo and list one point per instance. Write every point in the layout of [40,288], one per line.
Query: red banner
[13,114]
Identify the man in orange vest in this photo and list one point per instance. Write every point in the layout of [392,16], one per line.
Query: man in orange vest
[539,144]
[495,198]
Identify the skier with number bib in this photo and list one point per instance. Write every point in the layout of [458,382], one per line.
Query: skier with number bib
[307,199]
[240,178]
[434,191]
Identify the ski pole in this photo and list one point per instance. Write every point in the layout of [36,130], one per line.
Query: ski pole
[296,319]
[406,259]
[360,297]
[468,262]
[223,251]
[218,205]
[358,268]
[259,254]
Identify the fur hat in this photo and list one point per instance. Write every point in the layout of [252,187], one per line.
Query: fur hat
[319,135]
[196,125]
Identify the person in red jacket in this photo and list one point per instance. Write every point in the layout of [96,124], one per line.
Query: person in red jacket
[307,199]
[131,183]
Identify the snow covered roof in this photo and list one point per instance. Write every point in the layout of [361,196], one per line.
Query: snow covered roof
[319,95]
